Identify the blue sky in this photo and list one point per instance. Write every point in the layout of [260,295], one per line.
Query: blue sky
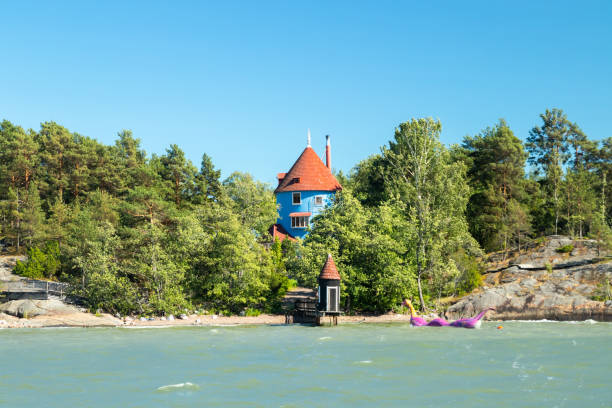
[243,81]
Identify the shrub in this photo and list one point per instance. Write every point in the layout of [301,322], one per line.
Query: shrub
[549,267]
[603,292]
[252,312]
[565,249]
[470,279]
[40,264]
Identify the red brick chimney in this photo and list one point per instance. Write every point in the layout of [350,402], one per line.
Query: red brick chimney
[327,153]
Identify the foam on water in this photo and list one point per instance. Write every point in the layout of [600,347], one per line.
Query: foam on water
[588,321]
[180,386]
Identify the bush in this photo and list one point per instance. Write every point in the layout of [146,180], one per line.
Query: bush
[603,292]
[471,278]
[41,264]
[252,312]
[565,249]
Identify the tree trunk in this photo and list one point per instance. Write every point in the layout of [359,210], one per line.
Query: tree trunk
[18,221]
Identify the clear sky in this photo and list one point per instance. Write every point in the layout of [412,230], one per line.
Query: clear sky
[243,81]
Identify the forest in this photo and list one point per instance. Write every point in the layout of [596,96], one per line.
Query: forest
[151,235]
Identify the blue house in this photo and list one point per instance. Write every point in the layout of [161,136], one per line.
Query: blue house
[303,192]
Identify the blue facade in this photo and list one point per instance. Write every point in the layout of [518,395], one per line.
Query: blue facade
[308,204]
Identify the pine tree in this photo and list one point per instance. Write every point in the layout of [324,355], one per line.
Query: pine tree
[56,144]
[496,159]
[548,151]
[33,217]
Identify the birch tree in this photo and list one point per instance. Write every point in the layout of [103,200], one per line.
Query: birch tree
[434,193]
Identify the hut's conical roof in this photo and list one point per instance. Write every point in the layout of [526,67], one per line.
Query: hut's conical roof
[329,271]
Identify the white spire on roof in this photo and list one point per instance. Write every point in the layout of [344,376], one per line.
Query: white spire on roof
[308,137]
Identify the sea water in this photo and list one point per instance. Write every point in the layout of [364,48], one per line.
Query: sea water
[525,364]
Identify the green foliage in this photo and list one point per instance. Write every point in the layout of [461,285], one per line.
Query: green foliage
[470,276]
[153,235]
[565,249]
[549,267]
[253,201]
[497,212]
[41,263]
[433,193]
[252,312]
[603,292]
[368,247]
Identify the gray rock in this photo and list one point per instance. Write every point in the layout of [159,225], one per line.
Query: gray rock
[584,289]
[579,300]
[511,289]
[529,283]
[171,318]
[143,319]
[557,301]
[566,286]
[548,288]
[518,302]
[183,317]
[32,308]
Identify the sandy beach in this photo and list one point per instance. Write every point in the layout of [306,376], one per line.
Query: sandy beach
[82,319]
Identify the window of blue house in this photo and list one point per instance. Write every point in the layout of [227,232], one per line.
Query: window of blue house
[319,200]
[299,222]
[297,198]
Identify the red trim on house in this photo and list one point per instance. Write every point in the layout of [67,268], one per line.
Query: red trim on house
[277,231]
[300,214]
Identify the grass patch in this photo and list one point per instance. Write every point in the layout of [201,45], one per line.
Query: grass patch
[565,249]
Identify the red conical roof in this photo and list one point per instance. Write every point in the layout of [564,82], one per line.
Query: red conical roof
[308,174]
[329,270]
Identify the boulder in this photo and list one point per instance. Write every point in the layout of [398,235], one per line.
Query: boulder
[30,308]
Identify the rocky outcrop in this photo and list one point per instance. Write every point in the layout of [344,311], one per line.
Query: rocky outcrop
[31,308]
[543,283]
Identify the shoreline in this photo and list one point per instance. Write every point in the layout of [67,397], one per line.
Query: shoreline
[83,319]
[87,320]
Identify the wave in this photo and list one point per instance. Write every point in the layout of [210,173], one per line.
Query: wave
[181,386]
[587,321]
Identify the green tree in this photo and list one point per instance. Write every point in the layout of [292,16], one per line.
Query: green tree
[207,184]
[548,152]
[254,202]
[368,245]
[367,181]
[32,223]
[179,173]
[228,270]
[434,192]
[56,144]
[496,162]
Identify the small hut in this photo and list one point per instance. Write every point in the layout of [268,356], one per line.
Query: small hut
[329,292]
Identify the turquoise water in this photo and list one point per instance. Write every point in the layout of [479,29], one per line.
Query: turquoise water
[363,365]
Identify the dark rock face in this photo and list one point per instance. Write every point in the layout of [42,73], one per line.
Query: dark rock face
[542,283]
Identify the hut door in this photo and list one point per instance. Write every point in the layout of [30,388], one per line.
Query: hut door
[332,299]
